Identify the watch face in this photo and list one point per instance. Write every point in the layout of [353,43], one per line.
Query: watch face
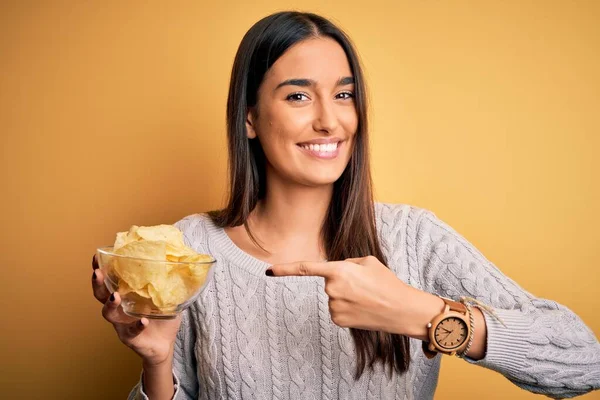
[451,332]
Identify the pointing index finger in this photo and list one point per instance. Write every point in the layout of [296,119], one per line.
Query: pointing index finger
[303,268]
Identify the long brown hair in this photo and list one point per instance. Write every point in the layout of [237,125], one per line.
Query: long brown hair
[349,227]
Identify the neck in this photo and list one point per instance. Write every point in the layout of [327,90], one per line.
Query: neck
[290,214]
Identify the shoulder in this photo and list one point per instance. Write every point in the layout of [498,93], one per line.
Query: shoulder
[416,221]
[413,226]
[195,228]
[411,235]
[392,219]
[192,222]
[398,228]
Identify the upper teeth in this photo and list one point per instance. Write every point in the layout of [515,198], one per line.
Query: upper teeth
[320,147]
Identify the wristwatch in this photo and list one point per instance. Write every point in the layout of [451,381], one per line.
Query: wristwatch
[449,331]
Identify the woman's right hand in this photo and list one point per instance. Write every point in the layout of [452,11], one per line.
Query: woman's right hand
[152,341]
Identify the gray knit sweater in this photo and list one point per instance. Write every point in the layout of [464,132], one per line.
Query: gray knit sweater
[250,336]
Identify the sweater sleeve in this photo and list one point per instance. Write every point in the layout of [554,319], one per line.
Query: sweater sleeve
[185,380]
[543,347]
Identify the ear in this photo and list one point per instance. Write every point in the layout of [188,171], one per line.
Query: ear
[250,124]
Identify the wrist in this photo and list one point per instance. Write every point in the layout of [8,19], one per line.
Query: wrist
[418,309]
[157,379]
[478,348]
[153,366]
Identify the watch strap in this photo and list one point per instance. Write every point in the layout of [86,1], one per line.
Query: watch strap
[428,353]
[455,305]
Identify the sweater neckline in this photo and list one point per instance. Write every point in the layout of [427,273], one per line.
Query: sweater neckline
[243,260]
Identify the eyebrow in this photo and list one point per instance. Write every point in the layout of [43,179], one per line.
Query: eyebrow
[347,80]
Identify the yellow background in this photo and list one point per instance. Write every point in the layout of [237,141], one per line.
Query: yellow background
[112,114]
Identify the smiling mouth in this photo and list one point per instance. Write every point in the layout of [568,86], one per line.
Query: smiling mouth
[323,151]
[328,147]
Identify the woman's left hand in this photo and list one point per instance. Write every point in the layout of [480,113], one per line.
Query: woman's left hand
[363,293]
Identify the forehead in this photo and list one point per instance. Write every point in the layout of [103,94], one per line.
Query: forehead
[321,59]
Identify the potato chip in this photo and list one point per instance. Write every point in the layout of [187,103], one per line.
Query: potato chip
[121,240]
[146,274]
[124,289]
[196,258]
[165,233]
[170,292]
[177,253]
[138,273]
[124,238]
[197,272]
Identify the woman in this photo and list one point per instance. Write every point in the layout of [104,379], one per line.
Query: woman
[351,327]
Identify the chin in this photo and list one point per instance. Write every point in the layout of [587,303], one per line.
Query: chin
[322,179]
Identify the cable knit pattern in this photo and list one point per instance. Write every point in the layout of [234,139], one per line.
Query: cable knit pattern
[207,346]
[227,330]
[372,388]
[274,328]
[326,346]
[347,358]
[250,336]
[298,303]
[381,384]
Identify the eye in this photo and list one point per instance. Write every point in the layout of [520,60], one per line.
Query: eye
[295,97]
[345,95]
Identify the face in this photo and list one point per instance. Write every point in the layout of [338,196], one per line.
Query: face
[305,118]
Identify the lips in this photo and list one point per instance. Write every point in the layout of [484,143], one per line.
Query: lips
[325,147]
[327,150]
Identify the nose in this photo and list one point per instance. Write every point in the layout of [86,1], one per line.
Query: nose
[326,120]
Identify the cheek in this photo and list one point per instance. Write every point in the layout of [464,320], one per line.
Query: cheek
[349,121]
[282,129]
[293,123]
[275,140]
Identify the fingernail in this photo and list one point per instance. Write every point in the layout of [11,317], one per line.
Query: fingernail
[94,277]
[112,297]
[94,262]
[269,272]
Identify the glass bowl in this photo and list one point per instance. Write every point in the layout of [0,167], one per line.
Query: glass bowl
[154,289]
